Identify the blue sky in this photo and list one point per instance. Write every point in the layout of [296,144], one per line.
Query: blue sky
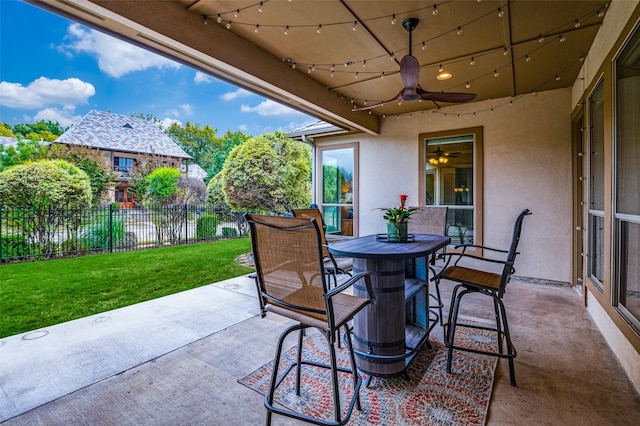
[54,69]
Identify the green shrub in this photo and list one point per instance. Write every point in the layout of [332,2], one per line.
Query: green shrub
[99,236]
[14,246]
[206,226]
[229,232]
[72,245]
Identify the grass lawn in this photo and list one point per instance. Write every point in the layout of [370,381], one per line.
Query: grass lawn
[38,294]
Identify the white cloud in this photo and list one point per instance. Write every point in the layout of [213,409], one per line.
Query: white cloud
[270,108]
[243,128]
[187,109]
[115,57]
[240,93]
[43,92]
[63,116]
[201,77]
[184,109]
[167,122]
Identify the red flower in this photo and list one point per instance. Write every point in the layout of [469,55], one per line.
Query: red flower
[399,214]
[403,199]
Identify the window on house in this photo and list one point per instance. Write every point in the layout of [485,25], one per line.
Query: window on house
[627,181]
[450,163]
[595,227]
[338,178]
[122,164]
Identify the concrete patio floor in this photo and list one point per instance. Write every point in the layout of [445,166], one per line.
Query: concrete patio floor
[176,361]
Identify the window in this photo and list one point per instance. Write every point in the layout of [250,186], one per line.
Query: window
[595,227]
[337,175]
[453,178]
[627,181]
[122,164]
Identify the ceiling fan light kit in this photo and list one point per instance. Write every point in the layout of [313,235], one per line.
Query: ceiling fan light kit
[410,74]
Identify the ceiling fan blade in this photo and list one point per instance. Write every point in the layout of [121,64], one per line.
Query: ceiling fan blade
[450,97]
[410,73]
[397,97]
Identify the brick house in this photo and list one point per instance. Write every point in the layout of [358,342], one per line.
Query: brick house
[124,139]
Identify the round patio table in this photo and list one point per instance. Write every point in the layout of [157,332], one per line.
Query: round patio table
[383,341]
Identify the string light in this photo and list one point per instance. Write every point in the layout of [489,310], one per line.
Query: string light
[261,8]
[382,74]
[204,20]
[319,30]
[219,19]
[435,10]
[228,25]
[601,13]
[257,29]
[577,24]
[236,13]
[500,12]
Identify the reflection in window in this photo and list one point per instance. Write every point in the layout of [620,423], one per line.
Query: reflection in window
[122,164]
[627,175]
[338,189]
[596,185]
[449,181]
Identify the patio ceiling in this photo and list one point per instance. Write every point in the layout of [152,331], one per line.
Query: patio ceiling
[493,48]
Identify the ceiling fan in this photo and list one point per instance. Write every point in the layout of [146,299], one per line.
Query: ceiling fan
[410,74]
[441,157]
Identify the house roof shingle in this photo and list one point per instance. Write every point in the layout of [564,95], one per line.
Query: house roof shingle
[115,132]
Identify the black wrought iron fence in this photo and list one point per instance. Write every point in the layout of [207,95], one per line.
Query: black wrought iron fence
[27,234]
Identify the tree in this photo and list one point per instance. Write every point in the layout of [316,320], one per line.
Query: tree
[46,196]
[143,166]
[42,130]
[270,172]
[229,142]
[169,193]
[215,192]
[5,130]
[200,143]
[162,186]
[92,162]
[24,151]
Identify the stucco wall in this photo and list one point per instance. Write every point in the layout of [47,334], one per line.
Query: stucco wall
[617,16]
[527,164]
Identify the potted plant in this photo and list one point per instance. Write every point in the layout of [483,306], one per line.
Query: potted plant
[397,220]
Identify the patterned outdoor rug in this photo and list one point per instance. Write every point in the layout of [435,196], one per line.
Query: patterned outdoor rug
[430,397]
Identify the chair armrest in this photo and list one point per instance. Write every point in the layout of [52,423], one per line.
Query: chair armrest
[459,256]
[464,247]
[351,281]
